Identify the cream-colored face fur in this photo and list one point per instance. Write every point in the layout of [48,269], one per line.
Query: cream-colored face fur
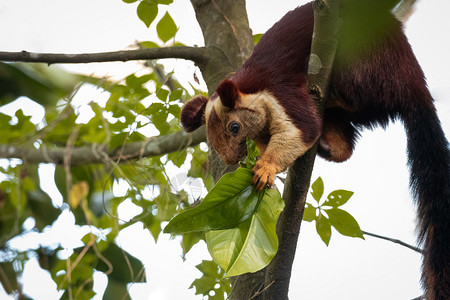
[227,129]
[260,117]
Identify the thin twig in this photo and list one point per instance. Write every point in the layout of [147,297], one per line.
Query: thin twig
[259,292]
[393,241]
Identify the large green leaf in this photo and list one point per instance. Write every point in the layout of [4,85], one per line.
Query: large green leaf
[252,245]
[232,201]
[344,222]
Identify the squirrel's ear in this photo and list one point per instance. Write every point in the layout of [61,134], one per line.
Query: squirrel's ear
[228,93]
[192,113]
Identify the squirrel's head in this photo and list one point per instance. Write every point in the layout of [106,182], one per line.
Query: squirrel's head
[229,119]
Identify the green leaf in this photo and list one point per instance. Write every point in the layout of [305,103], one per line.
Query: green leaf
[41,208]
[151,222]
[60,133]
[203,285]
[212,276]
[162,94]
[252,154]
[175,110]
[148,44]
[178,157]
[167,205]
[252,245]
[116,290]
[60,181]
[8,277]
[117,140]
[24,124]
[36,81]
[210,268]
[155,108]
[127,268]
[323,228]
[175,95]
[338,198]
[147,12]
[166,28]
[309,213]
[257,37]
[344,222]
[198,163]
[129,1]
[232,201]
[189,240]
[135,82]
[317,189]
[160,121]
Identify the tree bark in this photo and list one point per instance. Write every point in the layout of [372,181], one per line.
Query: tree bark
[278,272]
[196,54]
[99,154]
[227,35]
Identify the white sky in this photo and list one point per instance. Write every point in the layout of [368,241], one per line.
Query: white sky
[348,268]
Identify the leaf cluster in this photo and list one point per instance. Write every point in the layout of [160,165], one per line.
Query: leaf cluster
[327,213]
[147,11]
[238,222]
[137,107]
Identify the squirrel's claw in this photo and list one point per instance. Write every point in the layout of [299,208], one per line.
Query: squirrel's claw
[264,174]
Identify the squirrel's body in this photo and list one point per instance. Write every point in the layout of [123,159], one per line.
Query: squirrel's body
[376,78]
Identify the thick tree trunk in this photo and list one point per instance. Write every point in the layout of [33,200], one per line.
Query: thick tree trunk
[228,38]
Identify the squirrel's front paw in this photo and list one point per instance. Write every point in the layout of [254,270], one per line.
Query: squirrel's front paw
[264,174]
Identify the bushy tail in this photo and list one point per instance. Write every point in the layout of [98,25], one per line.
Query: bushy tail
[429,162]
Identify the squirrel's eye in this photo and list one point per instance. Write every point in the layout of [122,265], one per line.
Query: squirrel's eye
[235,127]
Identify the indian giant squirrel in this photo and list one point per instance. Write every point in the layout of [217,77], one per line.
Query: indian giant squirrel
[375,79]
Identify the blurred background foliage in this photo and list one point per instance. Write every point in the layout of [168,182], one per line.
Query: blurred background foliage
[138,107]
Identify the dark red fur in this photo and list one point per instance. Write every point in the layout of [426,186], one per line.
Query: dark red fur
[279,67]
[376,79]
[193,113]
[228,93]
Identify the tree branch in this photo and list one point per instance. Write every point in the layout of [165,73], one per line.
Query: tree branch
[196,54]
[324,43]
[100,154]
